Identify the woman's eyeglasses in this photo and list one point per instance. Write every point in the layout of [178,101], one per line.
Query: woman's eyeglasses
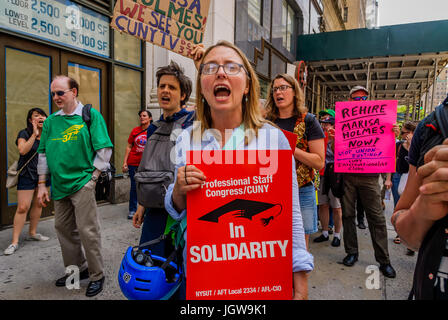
[59,93]
[363,98]
[230,68]
[282,88]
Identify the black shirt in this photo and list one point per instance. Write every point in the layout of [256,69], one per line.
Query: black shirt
[433,252]
[416,144]
[30,171]
[313,130]
[402,158]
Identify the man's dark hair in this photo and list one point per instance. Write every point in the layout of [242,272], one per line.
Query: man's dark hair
[147,111]
[173,69]
[410,125]
[72,83]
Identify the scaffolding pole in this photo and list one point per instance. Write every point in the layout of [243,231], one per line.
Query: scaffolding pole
[436,62]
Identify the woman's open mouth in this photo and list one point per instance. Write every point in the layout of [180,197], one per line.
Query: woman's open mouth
[279,99]
[221,92]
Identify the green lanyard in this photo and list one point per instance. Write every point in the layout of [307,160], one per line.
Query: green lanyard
[236,138]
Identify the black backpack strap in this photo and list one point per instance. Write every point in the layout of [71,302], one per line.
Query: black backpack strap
[176,252]
[86,115]
[87,118]
[431,134]
[151,242]
[169,259]
[441,117]
[411,294]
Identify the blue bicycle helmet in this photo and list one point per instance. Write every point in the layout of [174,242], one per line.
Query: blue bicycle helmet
[144,276]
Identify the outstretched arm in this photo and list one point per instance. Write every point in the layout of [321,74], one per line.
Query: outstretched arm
[429,187]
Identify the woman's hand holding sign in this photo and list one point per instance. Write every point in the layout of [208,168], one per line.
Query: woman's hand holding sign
[188,178]
[197,53]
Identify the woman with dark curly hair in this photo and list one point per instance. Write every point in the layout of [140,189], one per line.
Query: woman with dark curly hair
[27,142]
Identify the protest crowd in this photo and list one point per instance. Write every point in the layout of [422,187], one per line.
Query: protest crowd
[328,190]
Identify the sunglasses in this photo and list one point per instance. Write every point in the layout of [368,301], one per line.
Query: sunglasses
[59,93]
[360,98]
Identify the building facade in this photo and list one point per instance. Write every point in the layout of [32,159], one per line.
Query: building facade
[40,39]
[371,13]
[440,90]
[340,15]
[355,16]
[266,31]
[334,15]
[337,15]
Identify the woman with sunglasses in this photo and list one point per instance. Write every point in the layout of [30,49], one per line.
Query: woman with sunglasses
[286,109]
[27,142]
[227,93]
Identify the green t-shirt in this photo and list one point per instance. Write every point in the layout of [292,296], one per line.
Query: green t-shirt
[66,142]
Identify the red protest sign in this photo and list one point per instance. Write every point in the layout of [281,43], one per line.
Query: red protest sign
[364,140]
[239,224]
[292,139]
[322,171]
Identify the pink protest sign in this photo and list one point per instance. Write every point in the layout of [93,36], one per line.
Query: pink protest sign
[364,140]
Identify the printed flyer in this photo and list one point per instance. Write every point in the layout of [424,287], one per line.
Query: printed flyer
[240,230]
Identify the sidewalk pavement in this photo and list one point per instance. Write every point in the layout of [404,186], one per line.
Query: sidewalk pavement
[334,281]
[30,273]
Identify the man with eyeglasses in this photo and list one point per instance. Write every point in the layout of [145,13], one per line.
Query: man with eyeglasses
[365,188]
[74,155]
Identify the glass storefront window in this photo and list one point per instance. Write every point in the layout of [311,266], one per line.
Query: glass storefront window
[253,22]
[89,80]
[275,22]
[267,17]
[127,88]
[284,21]
[264,88]
[27,83]
[254,10]
[263,65]
[127,49]
[284,29]
[278,65]
[287,26]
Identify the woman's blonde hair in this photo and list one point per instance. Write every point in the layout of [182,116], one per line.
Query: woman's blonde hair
[299,99]
[252,118]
